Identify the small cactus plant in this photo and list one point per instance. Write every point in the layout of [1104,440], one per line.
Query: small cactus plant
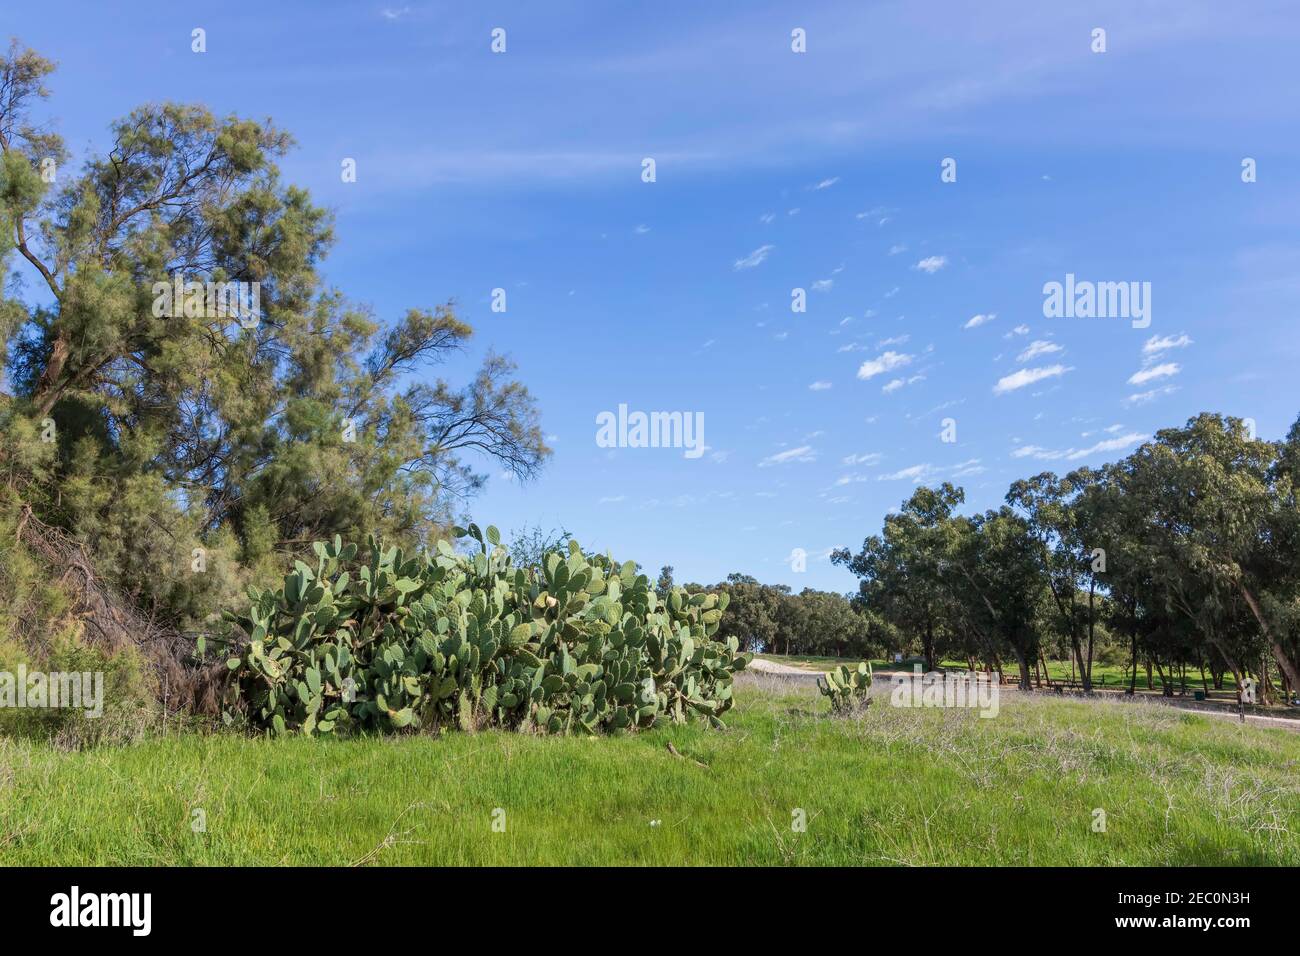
[849,690]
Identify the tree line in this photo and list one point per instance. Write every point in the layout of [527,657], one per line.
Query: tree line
[772,618]
[1184,553]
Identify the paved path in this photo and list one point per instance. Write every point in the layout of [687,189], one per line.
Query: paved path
[771,667]
[883,680]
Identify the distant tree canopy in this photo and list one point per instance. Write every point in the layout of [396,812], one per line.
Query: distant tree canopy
[769,618]
[196,433]
[1185,552]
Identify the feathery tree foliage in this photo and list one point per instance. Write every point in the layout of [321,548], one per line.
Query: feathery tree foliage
[148,428]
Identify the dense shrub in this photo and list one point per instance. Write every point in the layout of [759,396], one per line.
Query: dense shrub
[388,641]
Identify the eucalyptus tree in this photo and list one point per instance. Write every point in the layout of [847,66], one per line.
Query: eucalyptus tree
[996,578]
[1119,524]
[1065,553]
[752,614]
[901,570]
[1218,522]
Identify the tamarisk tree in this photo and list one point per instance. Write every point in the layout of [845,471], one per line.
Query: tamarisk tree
[236,425]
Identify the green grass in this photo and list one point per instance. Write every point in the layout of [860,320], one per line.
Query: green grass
[889,786]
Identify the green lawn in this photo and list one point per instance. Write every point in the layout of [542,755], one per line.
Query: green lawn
[892,786]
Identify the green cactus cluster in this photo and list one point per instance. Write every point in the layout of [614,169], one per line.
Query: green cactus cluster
[849,690]
[384,640]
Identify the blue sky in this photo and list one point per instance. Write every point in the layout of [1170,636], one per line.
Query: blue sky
[777,170]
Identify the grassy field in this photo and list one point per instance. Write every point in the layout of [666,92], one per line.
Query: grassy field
[891,786]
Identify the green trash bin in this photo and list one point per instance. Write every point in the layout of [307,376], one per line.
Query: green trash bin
[1198,695]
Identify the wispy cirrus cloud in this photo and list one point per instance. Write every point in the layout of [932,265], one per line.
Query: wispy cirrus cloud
[1117,443]
[927,471]
[1152,372]
[865,458]
[886,362]
[895,384]
[1162,343]
[1141,398]
[755,258]
[803,453]
[1028,376]
[1038,347]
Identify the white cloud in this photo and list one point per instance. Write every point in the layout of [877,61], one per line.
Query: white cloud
[886,362]
[1027,376]
[767,217]
[1162,370]
[931,264]
[898,383]
[1038,347]
[915,473]
[1158,343]
[1018,330]
[820,386]
[897,248]
[755,258]
[611,499]
[642,229]
[867,458]
[1141,398]
[823,285]
[919,473]
[1074,454]
[975,321]
[827,183]
[802,453]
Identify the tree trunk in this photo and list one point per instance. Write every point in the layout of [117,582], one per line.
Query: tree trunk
[1166,683]
[1024,668]
[1133,633]
[1092,624]
[1284,662]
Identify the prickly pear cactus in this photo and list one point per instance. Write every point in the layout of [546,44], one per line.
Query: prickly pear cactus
[848,690]
[382,640]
